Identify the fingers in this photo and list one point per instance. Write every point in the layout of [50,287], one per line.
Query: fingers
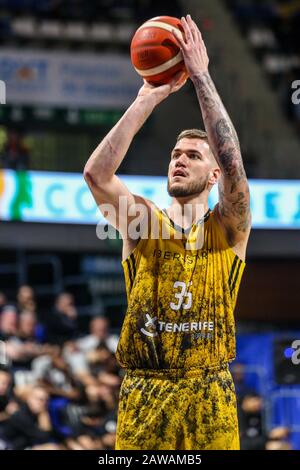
[191,32]
[187,31]
[192,27]
[179,38]
[198,33]
[197,30]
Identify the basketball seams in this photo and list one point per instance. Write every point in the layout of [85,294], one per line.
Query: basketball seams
[161,68]
[159,24]
[151,55]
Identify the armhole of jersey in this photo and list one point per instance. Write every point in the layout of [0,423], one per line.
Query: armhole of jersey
[216,216]
[143,238]
[138,248]
[237,264]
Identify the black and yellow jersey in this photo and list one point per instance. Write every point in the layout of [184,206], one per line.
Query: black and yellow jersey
[181,298]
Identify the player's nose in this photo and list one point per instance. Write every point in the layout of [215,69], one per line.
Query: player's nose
[181,160]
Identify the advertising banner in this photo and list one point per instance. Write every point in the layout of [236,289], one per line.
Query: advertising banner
[61,79]
[65,198]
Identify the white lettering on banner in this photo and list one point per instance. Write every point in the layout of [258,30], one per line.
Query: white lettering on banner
[65,198]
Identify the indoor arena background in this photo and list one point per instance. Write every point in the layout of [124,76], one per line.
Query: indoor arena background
[65,68]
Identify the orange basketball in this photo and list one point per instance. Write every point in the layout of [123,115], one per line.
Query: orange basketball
[155,52]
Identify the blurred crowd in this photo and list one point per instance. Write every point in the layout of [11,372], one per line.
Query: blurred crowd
[251,414]
[91,10]
[14,152]
[59,386]
[273,30]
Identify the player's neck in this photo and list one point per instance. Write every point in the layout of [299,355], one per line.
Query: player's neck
[185,211]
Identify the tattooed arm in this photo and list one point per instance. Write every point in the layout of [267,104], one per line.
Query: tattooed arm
[234,198]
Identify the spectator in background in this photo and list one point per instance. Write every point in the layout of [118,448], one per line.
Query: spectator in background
[15,155]
[105,383]
[93,431]
[91,398]
[99,333]
[55,375]
[27,326]
[5,383]
[250,422]
[23,348]
[278,439]
[94,353]
[62,324]
[19,333]
[102,360]
[30,426]
[238,375]
[26,299]
[8,322]
[252,432]
[7,405]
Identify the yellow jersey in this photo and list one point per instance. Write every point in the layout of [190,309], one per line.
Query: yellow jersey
[181,298]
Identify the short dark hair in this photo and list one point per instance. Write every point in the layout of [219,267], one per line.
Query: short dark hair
[196,134]
[192,134]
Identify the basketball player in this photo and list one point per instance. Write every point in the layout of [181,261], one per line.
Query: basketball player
[179,334]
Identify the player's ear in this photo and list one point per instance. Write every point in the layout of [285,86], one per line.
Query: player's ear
[215,173]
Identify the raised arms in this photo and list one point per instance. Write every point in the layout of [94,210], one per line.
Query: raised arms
[102,165]
[234,197]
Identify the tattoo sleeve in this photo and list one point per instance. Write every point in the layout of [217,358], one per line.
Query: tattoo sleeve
[234,198]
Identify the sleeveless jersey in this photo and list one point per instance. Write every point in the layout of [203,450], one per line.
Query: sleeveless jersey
[181,298]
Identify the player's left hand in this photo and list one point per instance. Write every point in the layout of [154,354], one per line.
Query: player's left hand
[192,47]
[159,93]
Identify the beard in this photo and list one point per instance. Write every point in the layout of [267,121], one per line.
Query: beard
[185,190]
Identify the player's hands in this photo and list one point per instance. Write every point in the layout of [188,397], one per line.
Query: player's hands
[159,93]
[192,47]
